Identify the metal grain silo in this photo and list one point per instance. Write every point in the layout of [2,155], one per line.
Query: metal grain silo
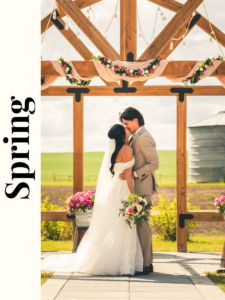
[207,149]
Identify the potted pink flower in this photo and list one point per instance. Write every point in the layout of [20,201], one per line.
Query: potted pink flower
[220,204]
[79,207]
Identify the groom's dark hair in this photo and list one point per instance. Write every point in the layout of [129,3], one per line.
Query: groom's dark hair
[131,113]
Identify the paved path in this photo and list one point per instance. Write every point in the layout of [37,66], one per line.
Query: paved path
[176,276]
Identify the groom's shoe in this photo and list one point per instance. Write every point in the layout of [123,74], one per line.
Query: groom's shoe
[145,271]
[151,268]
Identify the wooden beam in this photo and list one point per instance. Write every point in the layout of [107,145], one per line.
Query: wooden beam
[206,216]
[88,29]
[181,172]
[78,144]
[147,90]
[179,20]
[79,46]
[122,29]
[131,27]
[202,23]
[87,68]
[54,216]
[166,50]
[80,3]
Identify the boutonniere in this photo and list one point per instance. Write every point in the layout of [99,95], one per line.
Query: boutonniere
[133,133]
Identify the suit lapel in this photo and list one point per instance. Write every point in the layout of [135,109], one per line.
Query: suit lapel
[137,135]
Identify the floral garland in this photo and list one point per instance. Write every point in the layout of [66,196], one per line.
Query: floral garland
[69,76]
[199,71]
[42,80]
[122,71]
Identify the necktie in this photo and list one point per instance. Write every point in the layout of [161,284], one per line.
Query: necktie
[131,139]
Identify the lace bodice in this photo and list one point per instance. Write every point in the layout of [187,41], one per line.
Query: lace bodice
[120,166]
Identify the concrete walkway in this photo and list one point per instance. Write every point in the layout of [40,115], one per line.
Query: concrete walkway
[176,276]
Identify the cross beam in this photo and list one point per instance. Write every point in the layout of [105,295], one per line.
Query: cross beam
[173,69]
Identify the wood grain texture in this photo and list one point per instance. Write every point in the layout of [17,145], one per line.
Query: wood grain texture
[179,20]
[78,145]
[202,23]
[80,3]
[88,29]
[87,68]
[131,27]
[222,264]
[148,90]
[206,216]
[80,47]
[181,172]
[54,216]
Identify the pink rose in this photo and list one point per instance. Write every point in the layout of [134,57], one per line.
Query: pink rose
[128,72]
[139,72]
[70,76]
[78,205]
[160,58]
[130,211]
[64,67]
[206,66]
[151,70]
[126,213]
[105,60]
[137,202]
[217,56]
[115,69]
[72,204]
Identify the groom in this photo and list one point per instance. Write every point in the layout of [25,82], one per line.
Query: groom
[146,162]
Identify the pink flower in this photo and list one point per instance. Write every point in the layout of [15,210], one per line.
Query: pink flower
[72,204]
[206,66]
[217,56]
[160,58]
[115,69]
[130,211]
[105,60]
[70,76]
[64,67]
[151,70]
[137,202]
[154,67]
[128,72]
[126,213]
[139,72]
[78,205]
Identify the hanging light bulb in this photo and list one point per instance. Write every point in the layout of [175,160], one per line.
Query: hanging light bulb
[106,36]
[210,41]
[164,20]
[171,45]
[140,36]
[89,17]
[184,44]
[193,14]
[66,25]
[78,34]
[54,15]
[115,17]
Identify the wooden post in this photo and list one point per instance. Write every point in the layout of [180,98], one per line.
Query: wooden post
[181,172]
[77,149]
[222,264]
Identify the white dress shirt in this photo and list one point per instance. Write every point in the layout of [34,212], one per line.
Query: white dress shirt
[135,174]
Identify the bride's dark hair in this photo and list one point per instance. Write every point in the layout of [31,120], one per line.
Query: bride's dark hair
[118,133]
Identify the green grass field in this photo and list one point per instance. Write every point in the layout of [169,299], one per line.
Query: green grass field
[62,164]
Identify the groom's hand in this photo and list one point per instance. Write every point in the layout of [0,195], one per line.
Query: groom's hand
[122,176]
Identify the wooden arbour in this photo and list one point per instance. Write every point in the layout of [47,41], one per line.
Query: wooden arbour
[128,44]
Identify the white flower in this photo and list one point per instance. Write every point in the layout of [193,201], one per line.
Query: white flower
[139,208]
[201,69]
[126,198]
[131,70]
[109,61]
[154,67]
[108,66]
[139,198]
[197,69]
[146,71]
[113,68]
[67,69]
[60,61]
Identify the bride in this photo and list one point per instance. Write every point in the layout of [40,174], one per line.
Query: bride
[110,246]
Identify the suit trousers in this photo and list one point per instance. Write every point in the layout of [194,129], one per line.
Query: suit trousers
[145,238]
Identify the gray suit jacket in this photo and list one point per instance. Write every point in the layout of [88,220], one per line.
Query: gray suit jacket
[146,162]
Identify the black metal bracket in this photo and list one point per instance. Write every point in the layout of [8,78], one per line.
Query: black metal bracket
[70,217]
[78,92]
[183,217]
[125,88]
[56,21]
[193,21]
[181,92]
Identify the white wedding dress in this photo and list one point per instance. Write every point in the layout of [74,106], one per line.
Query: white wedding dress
[110,246]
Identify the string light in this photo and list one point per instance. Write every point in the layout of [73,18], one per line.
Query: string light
[115,17]
[163,17]
[210,41]
[171,45]
[66,24]
[184,44]
[54,15]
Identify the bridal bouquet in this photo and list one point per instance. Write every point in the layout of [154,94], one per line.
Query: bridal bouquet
[136,209]
[80,201]
[220,203]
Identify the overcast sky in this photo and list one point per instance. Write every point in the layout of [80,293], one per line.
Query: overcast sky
[100,113]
